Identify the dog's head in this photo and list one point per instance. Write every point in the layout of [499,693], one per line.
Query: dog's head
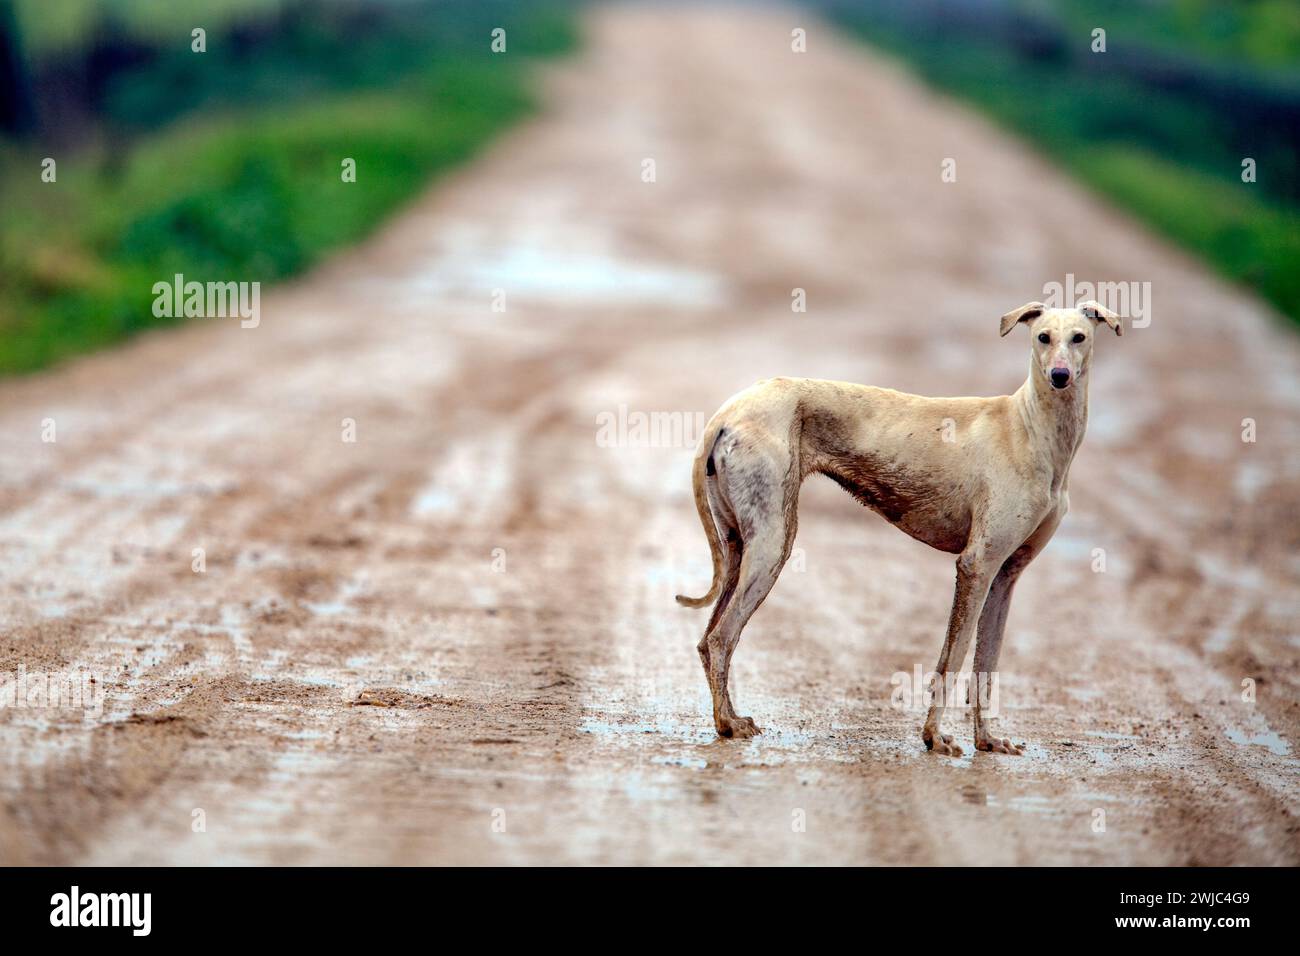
[1062,338]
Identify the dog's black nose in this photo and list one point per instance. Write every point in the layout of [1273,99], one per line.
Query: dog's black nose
[1060,377]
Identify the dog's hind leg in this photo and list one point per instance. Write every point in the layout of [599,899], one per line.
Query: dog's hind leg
[732,553]
[759,567]
[767,529]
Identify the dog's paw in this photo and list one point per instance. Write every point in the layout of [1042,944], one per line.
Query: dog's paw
[1000,745]
[942,744]
[738,728]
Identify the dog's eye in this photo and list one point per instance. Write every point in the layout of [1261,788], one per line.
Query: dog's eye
[1078,337]
[1044,337]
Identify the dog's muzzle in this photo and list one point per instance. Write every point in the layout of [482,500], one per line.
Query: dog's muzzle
[1060,377]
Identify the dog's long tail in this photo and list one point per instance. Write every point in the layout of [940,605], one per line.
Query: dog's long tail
[700,472]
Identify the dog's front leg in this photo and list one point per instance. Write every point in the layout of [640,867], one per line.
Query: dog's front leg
[988,643]
[974,575]
[993,624]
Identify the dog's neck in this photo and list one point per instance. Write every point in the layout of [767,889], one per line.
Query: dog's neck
[1055,419]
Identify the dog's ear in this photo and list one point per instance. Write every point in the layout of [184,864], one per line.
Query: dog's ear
[1026,313]
[1099,313]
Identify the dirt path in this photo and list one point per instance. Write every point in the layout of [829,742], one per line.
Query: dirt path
[454,640]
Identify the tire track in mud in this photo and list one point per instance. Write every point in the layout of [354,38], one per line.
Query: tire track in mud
[295,529]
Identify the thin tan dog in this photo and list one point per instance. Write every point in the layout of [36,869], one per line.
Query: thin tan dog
[983,478]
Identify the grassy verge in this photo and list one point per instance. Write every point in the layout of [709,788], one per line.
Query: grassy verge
[61,23]
[251,194]
[1150,152]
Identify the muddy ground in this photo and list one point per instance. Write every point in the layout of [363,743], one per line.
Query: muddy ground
[454,639]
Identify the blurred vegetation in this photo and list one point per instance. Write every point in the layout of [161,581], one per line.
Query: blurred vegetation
[1262,33]
[1160,122]
[227,165]
[51,25]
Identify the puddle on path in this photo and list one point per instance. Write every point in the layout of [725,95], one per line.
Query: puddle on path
[531,272]
[1267,738]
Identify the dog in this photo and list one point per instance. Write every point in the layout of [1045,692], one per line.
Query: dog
[986,479]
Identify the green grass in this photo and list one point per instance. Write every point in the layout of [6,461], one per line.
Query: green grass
[1152,153]
[1245,237]
[249,194]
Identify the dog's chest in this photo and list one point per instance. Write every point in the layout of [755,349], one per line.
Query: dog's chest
[905,501]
